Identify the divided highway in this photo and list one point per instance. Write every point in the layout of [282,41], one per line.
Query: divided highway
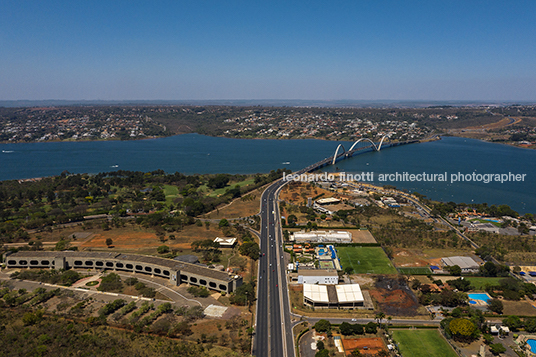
[273,333]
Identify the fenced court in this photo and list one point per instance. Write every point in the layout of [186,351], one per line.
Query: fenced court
[326,264]
[366,260]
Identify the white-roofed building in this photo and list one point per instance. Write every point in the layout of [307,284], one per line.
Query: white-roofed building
[467,264]
[318,276]
[322,237]
[349,294]
[328,201]
[225,242]
[333,296]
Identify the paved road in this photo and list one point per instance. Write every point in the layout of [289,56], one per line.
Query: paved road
[273,336]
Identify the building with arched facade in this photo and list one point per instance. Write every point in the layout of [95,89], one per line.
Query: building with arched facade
[177,272]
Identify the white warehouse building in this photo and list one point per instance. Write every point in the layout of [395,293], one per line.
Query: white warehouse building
[318,276]
[322,237]
[333,296]
[467,264]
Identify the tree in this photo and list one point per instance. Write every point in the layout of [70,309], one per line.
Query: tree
[455,270]
[460,284]
[218,181]
[356,353]
[513,323]
[530,324]
[320,345]
[488,339]
[31,318]
[497,348]
[488,269]
[131,281]
[111,282]
[462,329]
[322,326]
[162,249]
[379,317]
[371,327]
[322,353]
[496,305]
[223,223]
[62,245]
[291,220]
[250,249]
[346,329]
[109,242]
[358,329]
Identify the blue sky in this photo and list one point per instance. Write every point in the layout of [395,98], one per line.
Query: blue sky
[180,50]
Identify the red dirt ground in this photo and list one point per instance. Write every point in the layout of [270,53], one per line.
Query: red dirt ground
[373,345]
[131,240]
[395,302]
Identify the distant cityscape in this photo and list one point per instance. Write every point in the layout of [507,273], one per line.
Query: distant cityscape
[513,124]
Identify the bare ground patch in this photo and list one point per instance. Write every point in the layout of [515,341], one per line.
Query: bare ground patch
[394,297]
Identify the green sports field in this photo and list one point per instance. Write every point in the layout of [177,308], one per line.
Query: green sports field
[366,260]
[479,283]
[422,343]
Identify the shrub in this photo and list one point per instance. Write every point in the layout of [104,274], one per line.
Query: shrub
[198,291]
[162,249]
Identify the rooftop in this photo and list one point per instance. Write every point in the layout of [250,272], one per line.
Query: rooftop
[169,263]
[462,262]
[346,293]
[317,272]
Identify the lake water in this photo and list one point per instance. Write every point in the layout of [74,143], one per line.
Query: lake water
[193,153]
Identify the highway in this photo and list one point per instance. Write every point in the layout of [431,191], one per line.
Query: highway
[273,333]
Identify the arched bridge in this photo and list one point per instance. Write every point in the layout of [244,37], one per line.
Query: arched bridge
[345,154]
[352,150]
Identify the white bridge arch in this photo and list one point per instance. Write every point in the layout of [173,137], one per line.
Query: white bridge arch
[376,148]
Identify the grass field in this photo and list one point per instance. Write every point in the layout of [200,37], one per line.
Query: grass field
[221,191]
[415,270]
[171,192]
[479,283]
[366,260]
[422,343]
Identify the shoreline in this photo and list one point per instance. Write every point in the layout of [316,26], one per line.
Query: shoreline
[439,135]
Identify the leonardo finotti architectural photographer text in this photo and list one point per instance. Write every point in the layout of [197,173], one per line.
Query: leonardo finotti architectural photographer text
[409,177]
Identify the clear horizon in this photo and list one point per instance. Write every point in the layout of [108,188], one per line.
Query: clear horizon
[212,51]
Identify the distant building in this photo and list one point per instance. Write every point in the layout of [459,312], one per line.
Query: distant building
[225,242]
[333,296]
[322,237]
[467,264]
[328,201]
[318,276]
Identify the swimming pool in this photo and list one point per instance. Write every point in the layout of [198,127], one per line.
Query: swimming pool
[532,344]
[482,297]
